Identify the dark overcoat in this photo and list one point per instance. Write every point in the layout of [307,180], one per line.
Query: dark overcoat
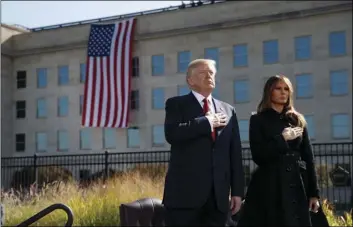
[285,179]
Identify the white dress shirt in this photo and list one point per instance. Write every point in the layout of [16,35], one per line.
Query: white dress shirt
[200,99]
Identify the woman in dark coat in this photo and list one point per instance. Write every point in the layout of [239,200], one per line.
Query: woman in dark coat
[283,190]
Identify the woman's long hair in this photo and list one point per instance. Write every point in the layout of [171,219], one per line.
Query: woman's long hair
[295,117]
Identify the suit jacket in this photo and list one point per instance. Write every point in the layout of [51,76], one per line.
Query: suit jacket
[196,162]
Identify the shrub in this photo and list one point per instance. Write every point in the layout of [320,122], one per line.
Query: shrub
[25,177]
[155,171]
[334,220]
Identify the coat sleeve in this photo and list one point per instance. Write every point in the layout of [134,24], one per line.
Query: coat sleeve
[264,149]
[236,160]
[307,155]
[178,131]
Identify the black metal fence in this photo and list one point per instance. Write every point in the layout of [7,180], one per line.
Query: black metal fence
[333,162]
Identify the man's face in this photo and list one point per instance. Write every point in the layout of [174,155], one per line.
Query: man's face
[203,78]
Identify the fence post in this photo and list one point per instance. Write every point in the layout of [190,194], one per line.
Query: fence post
[2,213]
[106,164]
[351,187]
[35,172]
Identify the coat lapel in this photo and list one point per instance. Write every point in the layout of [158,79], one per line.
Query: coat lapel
[195,108]
[219,109]
[194,104]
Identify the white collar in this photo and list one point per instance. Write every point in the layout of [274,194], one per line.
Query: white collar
[200,97]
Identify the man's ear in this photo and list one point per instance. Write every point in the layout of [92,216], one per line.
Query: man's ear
[189,81]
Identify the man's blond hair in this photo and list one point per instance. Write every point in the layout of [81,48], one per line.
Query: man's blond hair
[195,63]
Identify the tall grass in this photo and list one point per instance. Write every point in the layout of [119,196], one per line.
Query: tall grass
[98,205]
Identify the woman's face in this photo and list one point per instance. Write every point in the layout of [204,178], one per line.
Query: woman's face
[280,93]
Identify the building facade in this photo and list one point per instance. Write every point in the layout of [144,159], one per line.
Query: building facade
[42,73]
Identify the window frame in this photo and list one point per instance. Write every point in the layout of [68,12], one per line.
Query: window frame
[266,52]
[235,55]
[154,143]
[248,91]
[17,142]
[154,59]
[311,85]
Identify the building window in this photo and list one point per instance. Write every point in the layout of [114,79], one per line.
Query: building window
[212,53]
[270,52]
[184,58]
[340,126]
[41,142]
[81,104]
[20,142]
[135,67]
[63,140]
[241,91]
[135,104]
[339,82]
[337,43]
[63,75]
[20,109]
[302,47]
[133,137]
[304,85]
[41,108]
[63,106]
[183,90]
[215,92]
[157,65]
[158,98]
[310,125]
[82,73]
[85,139]
[158,135]
[21,79]
[42,78]
[244,130]
[109,138]
[240,53]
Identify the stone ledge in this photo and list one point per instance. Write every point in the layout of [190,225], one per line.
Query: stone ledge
[222,25]
[251,21]
[15,28]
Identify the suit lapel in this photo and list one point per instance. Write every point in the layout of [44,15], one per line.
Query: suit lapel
[194,106]
[219,109]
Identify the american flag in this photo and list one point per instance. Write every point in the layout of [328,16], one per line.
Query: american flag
[108,75]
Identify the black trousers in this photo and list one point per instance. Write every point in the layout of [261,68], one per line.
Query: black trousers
[207,215]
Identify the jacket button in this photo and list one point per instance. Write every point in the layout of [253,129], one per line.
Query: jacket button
[294,201]
[289,169]
[292,185]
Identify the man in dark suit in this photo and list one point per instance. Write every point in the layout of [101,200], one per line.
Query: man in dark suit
[206,163]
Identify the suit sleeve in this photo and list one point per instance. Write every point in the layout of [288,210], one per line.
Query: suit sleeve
[307,155]
[237,170]
[264,149]
[178,130]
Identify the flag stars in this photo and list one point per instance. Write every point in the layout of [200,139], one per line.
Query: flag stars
[100,39]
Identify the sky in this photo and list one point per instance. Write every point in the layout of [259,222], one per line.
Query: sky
[33,14]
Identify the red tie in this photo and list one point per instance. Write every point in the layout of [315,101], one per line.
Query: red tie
[205,110]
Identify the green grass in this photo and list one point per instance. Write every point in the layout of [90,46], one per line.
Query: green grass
[98,205]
